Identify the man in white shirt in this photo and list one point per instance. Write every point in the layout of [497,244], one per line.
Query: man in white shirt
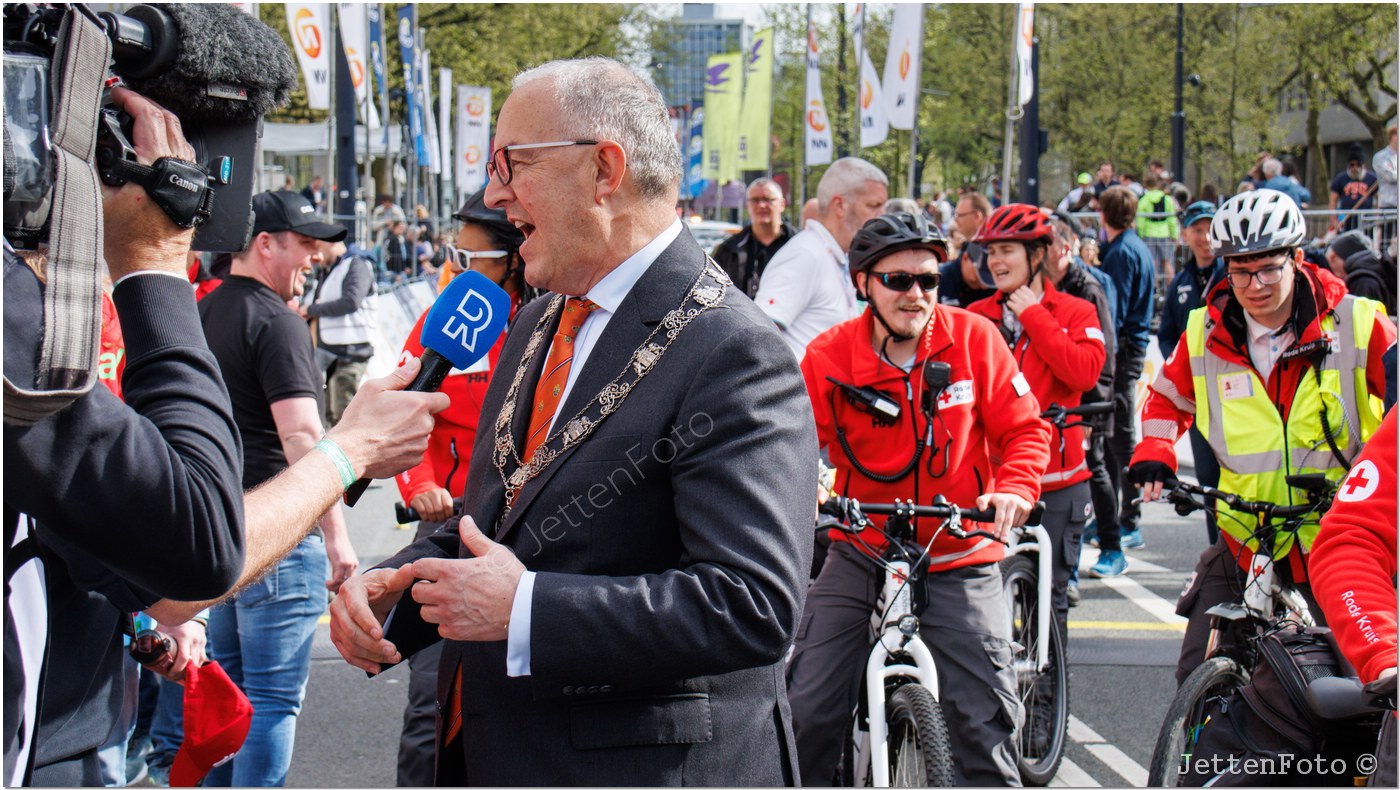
[807,288]
[614,608]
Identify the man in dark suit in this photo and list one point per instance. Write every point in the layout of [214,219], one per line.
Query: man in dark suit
[620,596]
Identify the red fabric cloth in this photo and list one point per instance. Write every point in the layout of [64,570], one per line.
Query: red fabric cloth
[217,717]
[1352,564]
[1061,352]
[111,352]
[988,421]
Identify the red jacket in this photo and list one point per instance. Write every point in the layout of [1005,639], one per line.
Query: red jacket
[1352,565]
[1163,420]
[458,421]
[111,350]
[1061,351]
[987,412]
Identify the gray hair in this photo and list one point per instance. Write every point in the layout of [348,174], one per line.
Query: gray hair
[846,176]
[765,181]
[904,204]
[1272,167]
[605,100]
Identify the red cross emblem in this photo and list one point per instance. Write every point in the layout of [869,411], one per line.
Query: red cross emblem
[945,398]
[1356,481]
[1363,481]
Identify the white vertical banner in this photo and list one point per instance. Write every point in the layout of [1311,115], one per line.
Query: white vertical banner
[902,64]
[874,126]
[818,133]
[445,124]
[429,114]
[473,136]
[1025,35]
[354,39]
[307,24]
[858,29]
[248,8]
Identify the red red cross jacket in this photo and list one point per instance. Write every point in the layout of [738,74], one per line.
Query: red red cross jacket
[1061,352]
[987,432]
[1352,564]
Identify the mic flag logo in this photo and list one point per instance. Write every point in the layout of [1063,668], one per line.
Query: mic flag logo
[754,51]
[715,75]
[308,33]
[466,319]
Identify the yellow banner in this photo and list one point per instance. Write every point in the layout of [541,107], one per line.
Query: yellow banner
[757,115]
[724,83]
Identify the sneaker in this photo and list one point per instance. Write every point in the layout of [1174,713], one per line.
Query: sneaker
[1091,534]
[1072,591]
[1132,539]
[1111,563]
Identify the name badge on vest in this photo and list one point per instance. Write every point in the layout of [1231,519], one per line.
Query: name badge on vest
[1236,385]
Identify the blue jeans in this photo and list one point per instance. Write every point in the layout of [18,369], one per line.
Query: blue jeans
[262,638]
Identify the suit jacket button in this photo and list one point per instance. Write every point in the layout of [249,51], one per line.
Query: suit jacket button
[606,689]
[568,691]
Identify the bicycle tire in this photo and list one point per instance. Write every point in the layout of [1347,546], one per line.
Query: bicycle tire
[920,753]
[1044,695]
[1191,708]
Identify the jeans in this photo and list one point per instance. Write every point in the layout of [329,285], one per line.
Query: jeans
[111,756]
[262,638]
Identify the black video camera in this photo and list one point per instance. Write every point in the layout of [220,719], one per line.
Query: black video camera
[216,68]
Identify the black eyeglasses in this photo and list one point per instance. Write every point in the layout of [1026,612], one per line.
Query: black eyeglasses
[1271,275]
[903,281]
[500,168]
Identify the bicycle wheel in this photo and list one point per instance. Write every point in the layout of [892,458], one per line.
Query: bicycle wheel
[1044,695]
[920,755]
[1193,706]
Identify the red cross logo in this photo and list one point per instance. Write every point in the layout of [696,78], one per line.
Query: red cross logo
[1355,482]
[945,398]
[1363,481]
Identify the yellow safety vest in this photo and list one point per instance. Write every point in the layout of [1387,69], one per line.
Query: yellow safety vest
[1246,431]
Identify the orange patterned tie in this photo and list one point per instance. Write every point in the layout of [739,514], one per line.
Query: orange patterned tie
[555,375]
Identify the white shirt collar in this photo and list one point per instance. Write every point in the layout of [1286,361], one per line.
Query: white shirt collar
[609,292]
[1258,331]
[830,241]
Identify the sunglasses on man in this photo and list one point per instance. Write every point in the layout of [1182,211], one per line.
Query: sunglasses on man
[903,281]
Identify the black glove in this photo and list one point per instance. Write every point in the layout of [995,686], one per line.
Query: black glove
[1146,472]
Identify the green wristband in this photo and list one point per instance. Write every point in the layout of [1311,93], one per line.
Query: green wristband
[337,456]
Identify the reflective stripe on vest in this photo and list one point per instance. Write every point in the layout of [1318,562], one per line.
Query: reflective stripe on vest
[1246,430]
[351,329]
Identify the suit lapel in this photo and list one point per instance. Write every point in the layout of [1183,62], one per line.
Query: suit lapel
[656,293]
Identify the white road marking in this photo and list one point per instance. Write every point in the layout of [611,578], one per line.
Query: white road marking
[1110,755]
[1148,601]
[1088,557]
[1071,775]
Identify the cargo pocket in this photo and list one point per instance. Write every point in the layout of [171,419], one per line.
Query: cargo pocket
[1009,710]
[648,721]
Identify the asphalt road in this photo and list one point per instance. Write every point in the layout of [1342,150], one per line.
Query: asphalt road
[1124,641]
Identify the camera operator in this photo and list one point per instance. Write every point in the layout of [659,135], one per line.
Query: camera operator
[126,504]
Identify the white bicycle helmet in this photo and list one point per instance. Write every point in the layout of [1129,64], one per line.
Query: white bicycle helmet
[1255,222]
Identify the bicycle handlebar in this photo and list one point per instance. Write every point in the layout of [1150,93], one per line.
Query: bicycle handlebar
[852,510]
[1082,410]
[404,514]
[1181,496]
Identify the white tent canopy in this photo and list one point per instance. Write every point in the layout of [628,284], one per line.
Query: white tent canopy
[314,138]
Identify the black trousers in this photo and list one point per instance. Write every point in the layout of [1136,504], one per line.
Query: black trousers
[1127,371]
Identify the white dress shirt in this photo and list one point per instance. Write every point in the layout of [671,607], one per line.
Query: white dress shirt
[1267,345]
[608,294]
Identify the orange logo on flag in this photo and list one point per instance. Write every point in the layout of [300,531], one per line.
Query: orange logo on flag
[307,33]
[816,117]
[475,105]
[357,68]
[867,93]
[812,39]
[904,64]
[473,155]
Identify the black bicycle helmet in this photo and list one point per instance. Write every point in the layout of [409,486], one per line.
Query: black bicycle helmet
[475,211]
[1257,221]
[890,233]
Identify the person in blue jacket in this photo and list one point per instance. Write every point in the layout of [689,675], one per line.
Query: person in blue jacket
[1186,292]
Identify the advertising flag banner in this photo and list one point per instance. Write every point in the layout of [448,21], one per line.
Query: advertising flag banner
[724,84]
[377,63]
[902,65]
[408,46]
[473,137]
[695,155]
[874,126]
[858,29]
[425,102]
[1025,35]
[444,113]
[818,134]
[354,39]
[757,116]
[307,24]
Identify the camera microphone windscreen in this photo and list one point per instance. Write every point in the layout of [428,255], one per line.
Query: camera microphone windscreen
[227,66]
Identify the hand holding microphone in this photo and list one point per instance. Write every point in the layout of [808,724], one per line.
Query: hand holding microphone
[461,327]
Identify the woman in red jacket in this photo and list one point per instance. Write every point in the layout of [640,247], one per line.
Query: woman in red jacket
[1059,345]
[488,243]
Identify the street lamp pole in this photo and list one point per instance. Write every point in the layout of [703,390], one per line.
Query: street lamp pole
[1179,117]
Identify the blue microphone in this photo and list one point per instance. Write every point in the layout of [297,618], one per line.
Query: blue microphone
[462,325]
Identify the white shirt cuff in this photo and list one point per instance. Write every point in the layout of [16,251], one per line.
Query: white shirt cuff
[518,637]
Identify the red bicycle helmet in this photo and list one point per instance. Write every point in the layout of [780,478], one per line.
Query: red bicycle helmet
[1016,222]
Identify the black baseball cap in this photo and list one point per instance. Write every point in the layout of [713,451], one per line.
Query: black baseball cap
[274,212]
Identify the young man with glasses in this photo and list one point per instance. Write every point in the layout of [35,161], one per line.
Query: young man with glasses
[1282,373]
[745,255]
[938,440]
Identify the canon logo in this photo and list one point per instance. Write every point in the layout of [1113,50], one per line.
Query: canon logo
[184,184]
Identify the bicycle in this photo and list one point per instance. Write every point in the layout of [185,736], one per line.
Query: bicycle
[1041,655]
[908,745]
[1265,605]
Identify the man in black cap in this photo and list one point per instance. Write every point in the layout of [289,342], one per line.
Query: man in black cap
[1353,189]
[1351,257]
[262,636]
